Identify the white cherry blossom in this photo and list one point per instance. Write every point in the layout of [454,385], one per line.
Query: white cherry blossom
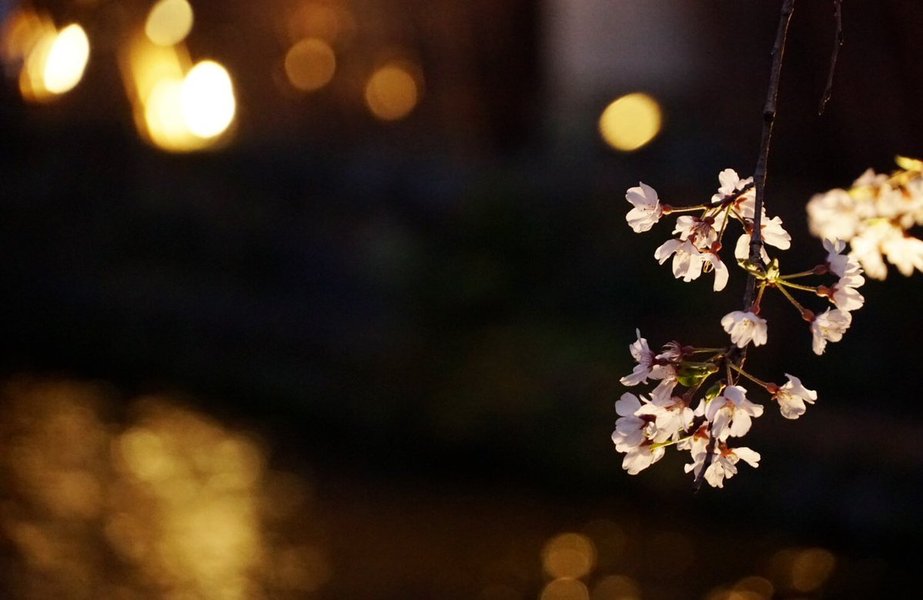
[647,209]
[720,269]
[636,434]
[792,397]
[630,429]
[641,457]
[664,389]
[904,252]
[840,264]
[774,234]
[845,295]
[645,359]
[745,327]
[724,464]
[701,232]
[731,183]
[671,415]
[833,215]
[687,259]
[731,412]
[829,326]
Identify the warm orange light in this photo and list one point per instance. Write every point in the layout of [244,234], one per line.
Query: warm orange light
[169,22]
[392,92]
[569,555]
[617,587]
[208,104]
[811,568]
[310,64]
[67,58]
[169,496]
[177,107]
[52,62]
[631,122]
[565,589]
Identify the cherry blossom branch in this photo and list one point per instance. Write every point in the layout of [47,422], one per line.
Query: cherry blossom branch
[769,116]
[759,178]
[834,54]
[699,404]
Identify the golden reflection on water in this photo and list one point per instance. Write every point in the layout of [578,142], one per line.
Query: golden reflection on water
[170,505]
[102,498]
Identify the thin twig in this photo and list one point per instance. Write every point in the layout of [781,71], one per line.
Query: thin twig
[835,53]
[759,177]
[769,116]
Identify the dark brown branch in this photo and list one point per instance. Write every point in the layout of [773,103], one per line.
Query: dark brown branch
[759,179]
[769,116]
[834,55]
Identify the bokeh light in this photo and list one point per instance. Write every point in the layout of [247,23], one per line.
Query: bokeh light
[803,570]
[67,58]
[631,122]
[569,555]
[757,586]
[310,64]
[167,504]
[392,91]
[49,62]
[169,22]
[178,107]
[811,568]
[208,103]
[565,589]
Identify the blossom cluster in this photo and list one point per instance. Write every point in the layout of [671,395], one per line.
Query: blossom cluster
[698,242]
[698,404]
[648,425]
[699,237]
[875,216]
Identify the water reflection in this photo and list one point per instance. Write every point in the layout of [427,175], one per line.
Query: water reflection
[161,502]
[150,498]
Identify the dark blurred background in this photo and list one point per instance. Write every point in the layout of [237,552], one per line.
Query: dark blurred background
[362,338]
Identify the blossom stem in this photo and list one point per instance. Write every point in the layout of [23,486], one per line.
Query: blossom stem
[755,307]
[676,209]
[796,286]
[791,299]
[666,443]
[755,380]
[797,275]
[724,223]
[705,350]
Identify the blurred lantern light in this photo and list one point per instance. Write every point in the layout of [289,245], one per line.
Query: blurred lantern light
[208,104]
[758,587]
[392,92]
[565,589]
[67,58]
[52,61]
[631,122]
[811,568]
[177,107]
[169,22]
[163,115]
[310,64]
[570,555]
